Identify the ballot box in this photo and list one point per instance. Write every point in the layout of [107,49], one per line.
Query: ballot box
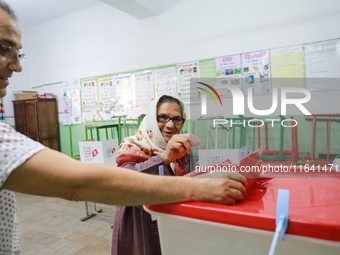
[102,152]
[248,226]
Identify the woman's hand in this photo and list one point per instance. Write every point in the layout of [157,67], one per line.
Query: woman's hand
[178,146]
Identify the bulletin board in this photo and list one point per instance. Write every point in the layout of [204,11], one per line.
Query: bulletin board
[263,70]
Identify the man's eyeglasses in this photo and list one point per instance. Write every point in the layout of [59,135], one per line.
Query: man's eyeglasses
[12,53]
[165,118]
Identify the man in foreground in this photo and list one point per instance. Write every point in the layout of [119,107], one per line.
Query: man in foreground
[28,167]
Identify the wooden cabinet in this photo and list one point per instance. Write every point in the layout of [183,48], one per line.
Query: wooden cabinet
[38,119]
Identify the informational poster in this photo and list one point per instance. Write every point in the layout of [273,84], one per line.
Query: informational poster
[184,73]
[123,92]
[228,72]
[106,92]
[67,113]
[76,106]
[286,64]
[144,88]
[165,80]
[71,102]
[89,94]
[322,62]
[256,72]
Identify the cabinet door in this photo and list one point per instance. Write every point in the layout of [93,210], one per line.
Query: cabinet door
[19,116]
[48,123]
[31,119]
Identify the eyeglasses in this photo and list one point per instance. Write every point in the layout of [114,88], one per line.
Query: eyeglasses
[12,53]
[165,118]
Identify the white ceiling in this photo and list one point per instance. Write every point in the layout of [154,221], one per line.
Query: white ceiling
[33,12]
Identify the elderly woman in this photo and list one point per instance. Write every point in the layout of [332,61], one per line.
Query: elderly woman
[158,142]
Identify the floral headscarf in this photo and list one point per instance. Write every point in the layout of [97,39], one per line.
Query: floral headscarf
[148,141]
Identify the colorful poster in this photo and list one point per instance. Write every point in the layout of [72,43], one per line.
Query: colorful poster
[89,94]
[184,73]
[165,80]
[67,119]
[71,102]
[106,92]
[286,64]
[322,60]
[144,88]
[256,72]
[123,92]
[76,106]
[228,72]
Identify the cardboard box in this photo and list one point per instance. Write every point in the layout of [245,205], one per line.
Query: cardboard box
[102,152]
[23,96]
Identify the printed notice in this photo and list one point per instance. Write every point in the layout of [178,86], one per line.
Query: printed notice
[89,94]
[106,92]
[144,88]
[228,72]
[87,150]
[165,80]
[322,61]
[286,64]
[184,73]
[256,72]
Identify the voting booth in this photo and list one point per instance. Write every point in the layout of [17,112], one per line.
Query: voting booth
[102,152]
[248,226]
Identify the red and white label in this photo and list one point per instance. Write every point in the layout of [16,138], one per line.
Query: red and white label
[95,153]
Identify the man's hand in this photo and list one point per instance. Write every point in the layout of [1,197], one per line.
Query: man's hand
[221,190]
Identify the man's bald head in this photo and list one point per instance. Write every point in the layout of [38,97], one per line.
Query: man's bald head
[6,8]
[10,42]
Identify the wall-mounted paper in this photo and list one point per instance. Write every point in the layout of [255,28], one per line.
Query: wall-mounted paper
[124,91]
[256,72]
[286,64]
[228,72]
[165,80]
[89,94]
[67,120]
[322,62]
[106,92]
[76,106]
[184,73]
[144,88]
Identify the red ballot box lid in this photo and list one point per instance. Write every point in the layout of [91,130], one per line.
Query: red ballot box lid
[314,207]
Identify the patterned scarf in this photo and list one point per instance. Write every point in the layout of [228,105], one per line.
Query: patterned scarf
[148,141]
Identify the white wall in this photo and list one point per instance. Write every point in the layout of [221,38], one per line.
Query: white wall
[100,40]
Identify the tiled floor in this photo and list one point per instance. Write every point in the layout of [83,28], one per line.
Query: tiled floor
[52,226]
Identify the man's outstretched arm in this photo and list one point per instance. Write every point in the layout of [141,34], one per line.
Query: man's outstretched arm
[53,174]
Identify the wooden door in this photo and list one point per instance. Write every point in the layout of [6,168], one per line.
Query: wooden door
[19,116]
[31,118]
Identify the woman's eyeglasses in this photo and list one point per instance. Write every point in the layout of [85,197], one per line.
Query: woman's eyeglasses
[165,118]
[12,53]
